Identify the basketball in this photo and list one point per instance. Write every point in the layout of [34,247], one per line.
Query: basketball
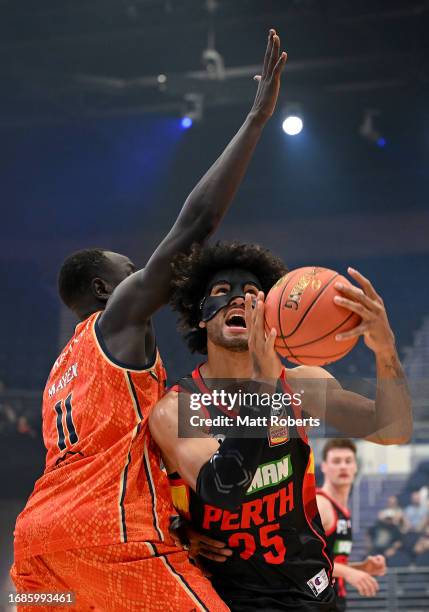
[301,307]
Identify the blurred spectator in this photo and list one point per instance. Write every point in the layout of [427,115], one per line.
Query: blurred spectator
[421,547]
[417,512]
[24,427]
[385,536]
[7,414]
[393,514]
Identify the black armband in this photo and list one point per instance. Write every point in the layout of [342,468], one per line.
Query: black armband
[224,480]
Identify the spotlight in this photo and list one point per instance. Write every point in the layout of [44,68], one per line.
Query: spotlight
[186,122]
[192,110]
[293,122]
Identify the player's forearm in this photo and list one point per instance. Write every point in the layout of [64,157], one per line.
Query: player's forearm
[212,196]
[359,565]
[393,408]
[341,570]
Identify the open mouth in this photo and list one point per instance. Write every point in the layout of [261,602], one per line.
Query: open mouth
[236,320]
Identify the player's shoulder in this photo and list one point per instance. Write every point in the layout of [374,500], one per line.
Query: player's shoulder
[308,372]
[322,499]
[326,510]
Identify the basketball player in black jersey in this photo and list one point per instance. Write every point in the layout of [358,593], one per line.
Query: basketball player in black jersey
[339,467]
[258,496]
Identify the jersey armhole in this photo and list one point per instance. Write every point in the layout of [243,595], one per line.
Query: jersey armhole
[115,362]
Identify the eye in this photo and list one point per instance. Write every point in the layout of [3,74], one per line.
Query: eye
[219,290]
[251,289]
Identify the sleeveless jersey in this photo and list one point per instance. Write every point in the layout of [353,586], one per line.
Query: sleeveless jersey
[102,482]
[339,539]
[276,535]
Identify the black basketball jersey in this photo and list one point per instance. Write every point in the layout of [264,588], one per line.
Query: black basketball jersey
[339,539]
[276,535]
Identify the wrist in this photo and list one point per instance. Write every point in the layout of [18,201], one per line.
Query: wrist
[257,119]
[386,352]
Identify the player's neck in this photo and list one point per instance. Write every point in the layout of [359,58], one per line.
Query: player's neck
[223,363]
[339,493]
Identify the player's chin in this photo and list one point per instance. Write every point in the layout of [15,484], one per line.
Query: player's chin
[235,341]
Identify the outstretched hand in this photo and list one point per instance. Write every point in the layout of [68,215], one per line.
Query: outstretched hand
[265,361]
[269,80]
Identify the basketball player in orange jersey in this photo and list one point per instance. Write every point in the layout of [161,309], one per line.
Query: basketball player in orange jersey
[257,496]
[339,468]
[97,521]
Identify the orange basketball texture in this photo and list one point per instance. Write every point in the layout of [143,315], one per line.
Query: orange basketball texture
[302,309]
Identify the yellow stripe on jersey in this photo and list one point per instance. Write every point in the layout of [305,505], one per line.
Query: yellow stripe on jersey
[180,497]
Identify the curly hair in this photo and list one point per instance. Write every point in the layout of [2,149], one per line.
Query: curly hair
[192,272]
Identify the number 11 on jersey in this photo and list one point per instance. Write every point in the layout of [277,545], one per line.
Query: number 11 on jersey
[61,407]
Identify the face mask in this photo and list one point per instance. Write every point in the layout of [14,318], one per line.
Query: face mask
[237,279]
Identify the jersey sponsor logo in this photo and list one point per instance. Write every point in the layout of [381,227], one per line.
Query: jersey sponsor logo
[270,474]
[343,525]
[64,380]
[278,434]
[298,289]
[343,547]
[319,582]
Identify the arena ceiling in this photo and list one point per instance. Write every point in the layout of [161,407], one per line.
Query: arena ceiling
[77,58]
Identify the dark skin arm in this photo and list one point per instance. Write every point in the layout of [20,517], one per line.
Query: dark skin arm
[125,324]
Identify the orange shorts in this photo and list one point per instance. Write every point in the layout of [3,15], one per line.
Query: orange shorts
[118,578]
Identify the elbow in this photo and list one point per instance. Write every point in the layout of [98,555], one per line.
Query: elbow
[386,440]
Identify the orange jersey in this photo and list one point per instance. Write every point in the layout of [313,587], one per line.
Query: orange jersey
[102,482]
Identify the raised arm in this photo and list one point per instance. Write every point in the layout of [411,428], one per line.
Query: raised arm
[139,296]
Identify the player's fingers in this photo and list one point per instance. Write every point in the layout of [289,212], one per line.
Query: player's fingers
[208,554]
[364,283]
[257,78]
[268,51]
[248,314]
[371,586]
[356,307]
[352,333]
[211,543]
[278,68]
[357,294]
[271,340]
[274,55]
[259,319]
[380,562]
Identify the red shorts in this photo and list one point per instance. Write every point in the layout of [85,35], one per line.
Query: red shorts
[118,578]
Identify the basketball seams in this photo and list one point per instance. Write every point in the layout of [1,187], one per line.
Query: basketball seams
[334,357]
[336,328]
